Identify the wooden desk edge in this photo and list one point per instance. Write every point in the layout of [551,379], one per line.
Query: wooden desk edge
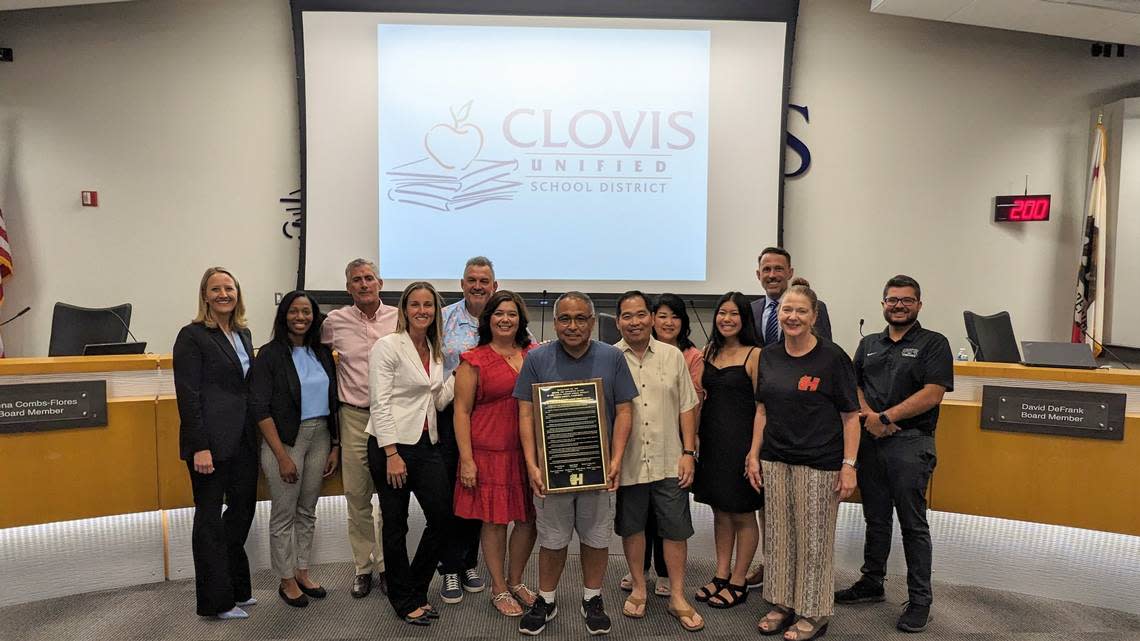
[83,364]
[1022,372]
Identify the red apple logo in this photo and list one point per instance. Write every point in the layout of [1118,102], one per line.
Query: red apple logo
[455,145]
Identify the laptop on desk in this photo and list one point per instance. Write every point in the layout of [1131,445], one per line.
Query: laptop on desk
[113,349]
[1047,354]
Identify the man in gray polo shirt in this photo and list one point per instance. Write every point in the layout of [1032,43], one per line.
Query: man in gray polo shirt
[574,356]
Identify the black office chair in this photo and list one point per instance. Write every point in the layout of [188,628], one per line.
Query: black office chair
[991,337]
[73,328]
[607,328]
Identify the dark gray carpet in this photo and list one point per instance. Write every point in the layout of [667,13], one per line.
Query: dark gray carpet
[166,611]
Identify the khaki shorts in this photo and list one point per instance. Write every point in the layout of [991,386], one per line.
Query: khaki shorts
[591,514]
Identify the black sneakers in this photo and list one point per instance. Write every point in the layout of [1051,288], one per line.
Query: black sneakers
[361,585]
[597,621]
[864,591]
[914,618]
[533,621]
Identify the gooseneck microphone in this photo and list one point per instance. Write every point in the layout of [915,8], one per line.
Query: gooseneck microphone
[1096,343]
[700,322]
[861,327]
[121,322]
[18,314]
[542,323]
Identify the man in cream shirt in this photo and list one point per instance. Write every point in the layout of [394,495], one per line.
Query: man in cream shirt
[659,460]
[351,331]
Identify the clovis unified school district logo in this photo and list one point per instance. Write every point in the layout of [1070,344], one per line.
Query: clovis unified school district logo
[452,176]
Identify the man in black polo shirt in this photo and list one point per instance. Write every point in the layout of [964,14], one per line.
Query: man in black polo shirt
[902,374]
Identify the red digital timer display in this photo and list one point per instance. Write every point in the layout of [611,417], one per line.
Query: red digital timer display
[1016,209]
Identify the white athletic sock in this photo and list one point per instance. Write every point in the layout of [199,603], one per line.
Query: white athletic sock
[547,596]
[589,593]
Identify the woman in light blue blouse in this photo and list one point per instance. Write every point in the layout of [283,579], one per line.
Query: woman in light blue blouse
[293,398]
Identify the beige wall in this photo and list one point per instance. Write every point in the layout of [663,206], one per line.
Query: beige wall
[183,115]
[915,126]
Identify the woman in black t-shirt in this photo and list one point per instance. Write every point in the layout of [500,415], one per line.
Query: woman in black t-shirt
[805,440]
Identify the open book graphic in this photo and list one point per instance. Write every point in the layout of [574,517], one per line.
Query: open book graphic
[424,183]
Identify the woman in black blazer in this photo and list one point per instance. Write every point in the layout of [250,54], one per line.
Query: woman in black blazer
[293,398]
[217,440]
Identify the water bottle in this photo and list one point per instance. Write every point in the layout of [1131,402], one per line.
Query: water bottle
[962,355]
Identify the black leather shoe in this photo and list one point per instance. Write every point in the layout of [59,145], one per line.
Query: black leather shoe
[318,592]
[362,585]
[299,602]
[381,583]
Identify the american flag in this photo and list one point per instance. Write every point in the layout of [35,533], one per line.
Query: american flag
[5,266]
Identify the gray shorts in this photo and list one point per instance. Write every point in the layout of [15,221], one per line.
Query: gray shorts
[591,514]
[669,502]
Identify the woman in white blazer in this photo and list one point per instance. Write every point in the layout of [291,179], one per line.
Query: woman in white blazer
[407,388]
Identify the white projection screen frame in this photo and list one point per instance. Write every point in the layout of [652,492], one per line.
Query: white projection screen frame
[363,195]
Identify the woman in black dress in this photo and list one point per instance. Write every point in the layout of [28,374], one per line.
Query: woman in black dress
[725,434]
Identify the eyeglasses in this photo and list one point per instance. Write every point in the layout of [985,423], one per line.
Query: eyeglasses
[906,301]
[572,320]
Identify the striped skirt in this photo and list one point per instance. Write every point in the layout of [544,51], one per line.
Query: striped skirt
[799,533]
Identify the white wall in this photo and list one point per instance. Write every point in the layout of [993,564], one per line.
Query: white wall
[915,127]
[183,115]
[1122,276]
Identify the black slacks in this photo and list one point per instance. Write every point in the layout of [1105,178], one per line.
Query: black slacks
[221,568]
[893,475]
[427,480]
[461,549]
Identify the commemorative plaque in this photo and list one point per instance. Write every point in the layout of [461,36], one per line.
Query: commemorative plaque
[572,432]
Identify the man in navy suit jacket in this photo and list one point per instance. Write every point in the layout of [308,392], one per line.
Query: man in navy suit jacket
[775,274]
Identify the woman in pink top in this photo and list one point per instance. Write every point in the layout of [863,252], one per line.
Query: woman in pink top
[671,325]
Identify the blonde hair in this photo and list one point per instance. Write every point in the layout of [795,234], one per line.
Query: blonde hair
[237,319]
[435,330]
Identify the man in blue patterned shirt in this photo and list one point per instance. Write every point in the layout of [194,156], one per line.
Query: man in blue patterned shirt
[461,333]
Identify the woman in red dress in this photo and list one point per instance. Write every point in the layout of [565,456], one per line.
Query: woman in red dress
[492,481]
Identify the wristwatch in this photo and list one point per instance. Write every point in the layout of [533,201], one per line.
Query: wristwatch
[851,462]
[692,453]
[884,419]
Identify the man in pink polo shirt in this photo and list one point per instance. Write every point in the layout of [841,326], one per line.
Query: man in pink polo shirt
[351,331]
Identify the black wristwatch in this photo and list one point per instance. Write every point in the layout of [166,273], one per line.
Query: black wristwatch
[692,453]
[884,419]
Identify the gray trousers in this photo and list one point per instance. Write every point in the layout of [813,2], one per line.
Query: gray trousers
[293,515]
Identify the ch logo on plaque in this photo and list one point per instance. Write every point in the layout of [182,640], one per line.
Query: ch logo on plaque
[572,435]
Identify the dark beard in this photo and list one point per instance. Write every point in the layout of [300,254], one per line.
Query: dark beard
[910,320]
